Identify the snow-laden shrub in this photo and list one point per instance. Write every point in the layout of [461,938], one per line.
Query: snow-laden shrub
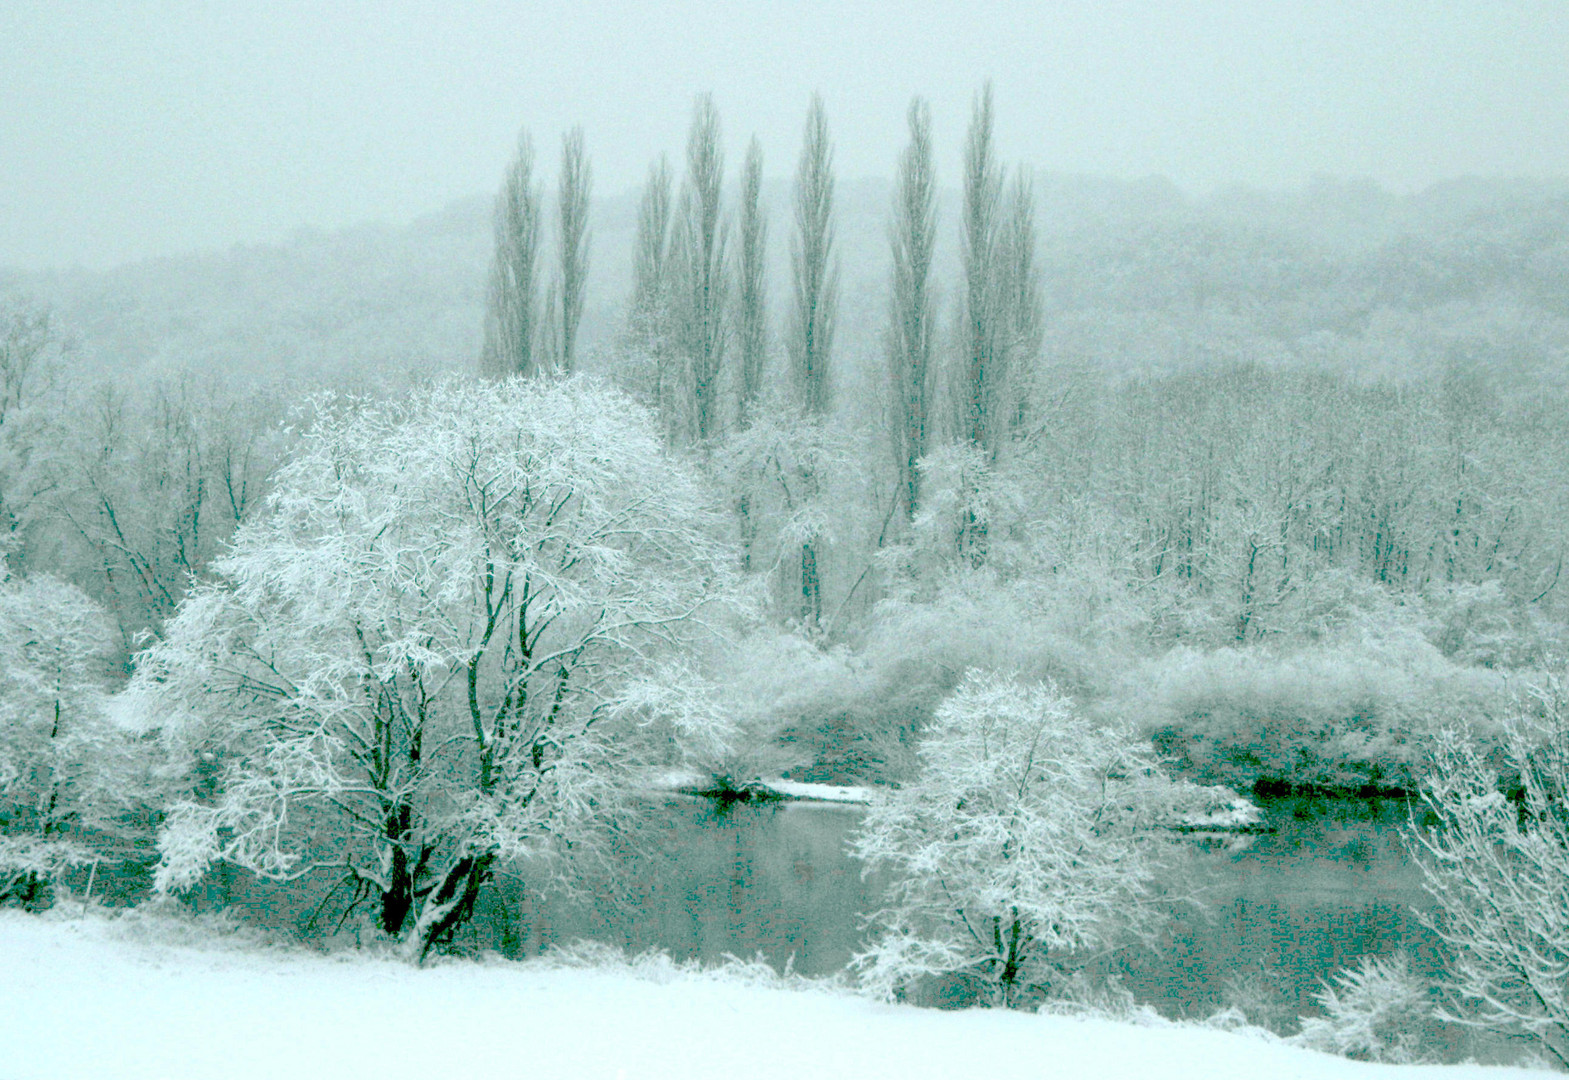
[166,923]
[1078,994]
[63,765]
[1377,1011]
[785,703]
[1072,622]
[1337,716]
[1495,859]
[31,866]
[659,967]
[1071,627]
[1253,998]
[777,685]
[1339,606]
[1482,624]
[1027,834]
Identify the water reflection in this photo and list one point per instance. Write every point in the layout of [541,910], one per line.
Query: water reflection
[1331,883]
[1283,911]
[771,878]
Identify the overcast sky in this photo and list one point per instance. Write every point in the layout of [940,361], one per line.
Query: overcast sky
[130,130]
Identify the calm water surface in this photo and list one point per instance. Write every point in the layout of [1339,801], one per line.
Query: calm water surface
[1331,884]
[1282,913]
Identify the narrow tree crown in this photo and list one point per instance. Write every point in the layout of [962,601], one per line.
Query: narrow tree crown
[575,185]
[912,237]
[983,280]
[649,272]
[511,315]
[752,328]
[814,265]
[703,239]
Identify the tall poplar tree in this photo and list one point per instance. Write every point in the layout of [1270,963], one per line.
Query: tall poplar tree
[983,361]
[815,280]
[703,236]
[575,184]
[814,269]
[752,288]
[650,271]
[652,328]
[1024,329]
[751,319]
[511,304]
[912,236]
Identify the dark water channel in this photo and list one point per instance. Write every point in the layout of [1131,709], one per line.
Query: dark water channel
[1283,910]
[1330,884]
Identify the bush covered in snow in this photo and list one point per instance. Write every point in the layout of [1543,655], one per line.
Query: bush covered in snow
[1496,862]
[658,966]
[63,771]
[1028,834]
[1377,1011]
[1340,716]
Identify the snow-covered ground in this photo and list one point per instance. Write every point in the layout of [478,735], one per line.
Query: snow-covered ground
[691,782]
[836,793]
[122,999]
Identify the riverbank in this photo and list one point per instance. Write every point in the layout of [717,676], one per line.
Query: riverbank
[139,997]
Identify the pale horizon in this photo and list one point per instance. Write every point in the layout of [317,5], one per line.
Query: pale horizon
[133,133]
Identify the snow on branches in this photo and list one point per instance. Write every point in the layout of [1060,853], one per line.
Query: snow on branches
[1027,833]
[1497,867]
[57,749]
[410,665]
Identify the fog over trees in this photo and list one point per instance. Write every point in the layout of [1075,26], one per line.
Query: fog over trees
[382,562]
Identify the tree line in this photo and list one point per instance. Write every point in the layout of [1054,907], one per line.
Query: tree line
[1233,488]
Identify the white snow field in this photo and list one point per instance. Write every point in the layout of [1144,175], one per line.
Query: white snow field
[114,999]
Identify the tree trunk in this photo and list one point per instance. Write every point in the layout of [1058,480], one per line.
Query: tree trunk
[452,903]
[811,589]
[397,899]
[748,530]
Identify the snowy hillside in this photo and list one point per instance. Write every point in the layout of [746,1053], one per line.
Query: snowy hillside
[100,998]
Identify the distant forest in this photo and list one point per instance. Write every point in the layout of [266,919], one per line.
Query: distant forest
[1282,475]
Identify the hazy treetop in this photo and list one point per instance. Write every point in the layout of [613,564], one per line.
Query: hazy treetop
[131,131]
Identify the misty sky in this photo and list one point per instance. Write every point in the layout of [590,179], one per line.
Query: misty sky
[130,130]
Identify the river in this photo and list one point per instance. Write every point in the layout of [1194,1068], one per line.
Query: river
[1282,911]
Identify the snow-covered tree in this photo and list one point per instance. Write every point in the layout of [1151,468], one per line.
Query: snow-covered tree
[814,278]
[981,377]
[1022,331]
[1498,868]
[912,235]
[751,280]
[149,480]
[783,469]
[511,311]
[814,267]
[573,187]
[412,666]
[28,348]
[56,746]
[651,363]
[1028,833]
[701,238]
